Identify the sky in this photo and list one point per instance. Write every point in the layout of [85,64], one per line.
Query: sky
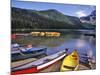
[67,9]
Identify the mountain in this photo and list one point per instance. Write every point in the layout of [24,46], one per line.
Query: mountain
[56,15]
[45,19]
[89,22]
[90,18]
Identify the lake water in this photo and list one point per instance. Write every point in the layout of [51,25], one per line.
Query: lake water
[71,40]
[83,44]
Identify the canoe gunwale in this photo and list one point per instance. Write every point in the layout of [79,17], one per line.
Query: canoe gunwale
[42,66]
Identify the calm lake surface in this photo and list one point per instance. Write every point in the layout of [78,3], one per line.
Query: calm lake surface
[83,44]
[71,40]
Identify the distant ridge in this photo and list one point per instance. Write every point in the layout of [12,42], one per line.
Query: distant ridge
[45,19]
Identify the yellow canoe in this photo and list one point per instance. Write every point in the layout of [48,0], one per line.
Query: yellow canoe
[70,62]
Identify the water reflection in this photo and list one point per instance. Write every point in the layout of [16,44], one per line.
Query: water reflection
[71,40]
[83,44]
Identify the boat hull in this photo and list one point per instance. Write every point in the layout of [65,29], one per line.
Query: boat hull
[70,62]
[20,55]
[38,68]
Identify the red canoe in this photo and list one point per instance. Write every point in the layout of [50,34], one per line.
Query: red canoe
[38,65]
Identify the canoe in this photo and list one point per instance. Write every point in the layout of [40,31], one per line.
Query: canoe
[28,53]
[38,65]
[70,62]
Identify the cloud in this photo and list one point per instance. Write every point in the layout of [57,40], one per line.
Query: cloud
[80,13]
